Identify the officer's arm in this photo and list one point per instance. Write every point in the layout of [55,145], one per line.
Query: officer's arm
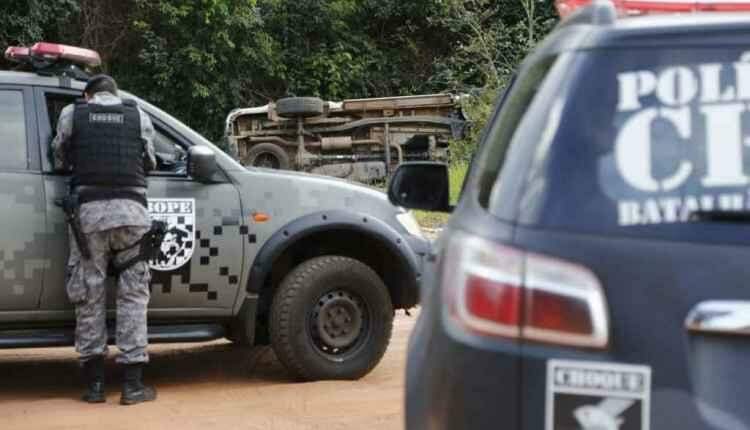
[147,134]
[59,143]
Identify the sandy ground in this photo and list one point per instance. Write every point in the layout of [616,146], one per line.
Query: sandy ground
[211,385]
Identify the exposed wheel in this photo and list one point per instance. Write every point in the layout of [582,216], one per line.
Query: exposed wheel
[268,155]
[331,318]
[299,107]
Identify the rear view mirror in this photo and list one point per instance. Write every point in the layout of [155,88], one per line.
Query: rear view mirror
[421,185]
[202,164]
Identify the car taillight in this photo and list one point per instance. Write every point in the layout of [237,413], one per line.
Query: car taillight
[564,303]
[639,7]
[18,54]
[56,51]
[496,290]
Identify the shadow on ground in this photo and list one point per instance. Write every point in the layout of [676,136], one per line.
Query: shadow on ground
[54,372]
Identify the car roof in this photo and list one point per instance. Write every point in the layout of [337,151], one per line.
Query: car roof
[697,21]
[585,32]
[30,78]
[702,28]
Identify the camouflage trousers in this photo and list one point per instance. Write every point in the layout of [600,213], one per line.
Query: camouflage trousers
[86,289]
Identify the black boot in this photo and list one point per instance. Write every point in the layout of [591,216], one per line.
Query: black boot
[133,390]
[93,372]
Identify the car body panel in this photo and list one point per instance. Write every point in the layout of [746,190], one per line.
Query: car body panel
[212,284]
[24,254]
[23,257]
[412,250]
[651,287]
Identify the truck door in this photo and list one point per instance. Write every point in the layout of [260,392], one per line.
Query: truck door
[201,259]
[22,258]
[199,267]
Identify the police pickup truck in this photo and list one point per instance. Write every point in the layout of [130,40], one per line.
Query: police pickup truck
[312,265]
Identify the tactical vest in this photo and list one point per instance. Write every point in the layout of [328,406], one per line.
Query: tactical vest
[106,148]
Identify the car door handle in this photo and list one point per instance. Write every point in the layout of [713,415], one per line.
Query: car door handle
[720,317]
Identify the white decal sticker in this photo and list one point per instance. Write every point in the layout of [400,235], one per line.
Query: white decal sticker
[597,396]
[179,242]
[696,114]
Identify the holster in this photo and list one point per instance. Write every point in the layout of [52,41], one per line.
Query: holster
[149,247]
[70,205]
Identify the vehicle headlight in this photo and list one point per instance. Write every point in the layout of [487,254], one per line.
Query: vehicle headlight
[411,225]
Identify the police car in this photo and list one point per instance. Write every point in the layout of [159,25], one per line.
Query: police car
[595,274]
[313,265]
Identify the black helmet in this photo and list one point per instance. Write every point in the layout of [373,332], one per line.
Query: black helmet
[100,83]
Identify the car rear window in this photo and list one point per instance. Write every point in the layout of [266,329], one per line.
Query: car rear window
[500,133]
[644,138]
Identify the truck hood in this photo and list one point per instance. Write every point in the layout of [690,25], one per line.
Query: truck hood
[287,196]
[317,180]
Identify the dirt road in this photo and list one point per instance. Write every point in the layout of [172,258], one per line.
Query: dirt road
[202,386]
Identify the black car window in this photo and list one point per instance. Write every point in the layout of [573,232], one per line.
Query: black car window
[12,130]
[171,157]
[55,104]
[646,138]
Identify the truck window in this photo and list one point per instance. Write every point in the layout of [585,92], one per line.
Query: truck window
[55,104]
[171,157]
[12,130]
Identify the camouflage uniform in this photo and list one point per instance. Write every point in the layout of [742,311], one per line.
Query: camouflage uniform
[110,226]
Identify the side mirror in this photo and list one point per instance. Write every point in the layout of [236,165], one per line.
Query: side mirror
[421,185]
[202,164]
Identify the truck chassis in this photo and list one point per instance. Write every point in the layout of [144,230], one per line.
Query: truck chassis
[358,139]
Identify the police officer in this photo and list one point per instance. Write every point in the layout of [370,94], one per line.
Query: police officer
[106,142]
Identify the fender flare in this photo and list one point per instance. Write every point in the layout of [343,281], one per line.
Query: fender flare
[318,222]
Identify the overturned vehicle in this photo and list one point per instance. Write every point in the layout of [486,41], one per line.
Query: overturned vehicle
[359,139]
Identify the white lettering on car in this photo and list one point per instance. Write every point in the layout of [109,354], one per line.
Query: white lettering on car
[633,149]
[697,110]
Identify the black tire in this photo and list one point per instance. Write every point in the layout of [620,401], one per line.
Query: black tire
[267,155]
[321,288]
[299,107]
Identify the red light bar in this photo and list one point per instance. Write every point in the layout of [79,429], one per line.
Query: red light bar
[638,7]
[566,7]
[18,54]
[55,51]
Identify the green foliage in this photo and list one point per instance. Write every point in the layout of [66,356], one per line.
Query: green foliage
[499,36]
[192,58]
[199,59]
[24,22]
[478,109]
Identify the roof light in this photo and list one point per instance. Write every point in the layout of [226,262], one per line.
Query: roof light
[18,54]
[641,7]
[54,51]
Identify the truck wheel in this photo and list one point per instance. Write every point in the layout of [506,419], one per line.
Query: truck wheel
[331,318]
[268,155]
[299,107]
